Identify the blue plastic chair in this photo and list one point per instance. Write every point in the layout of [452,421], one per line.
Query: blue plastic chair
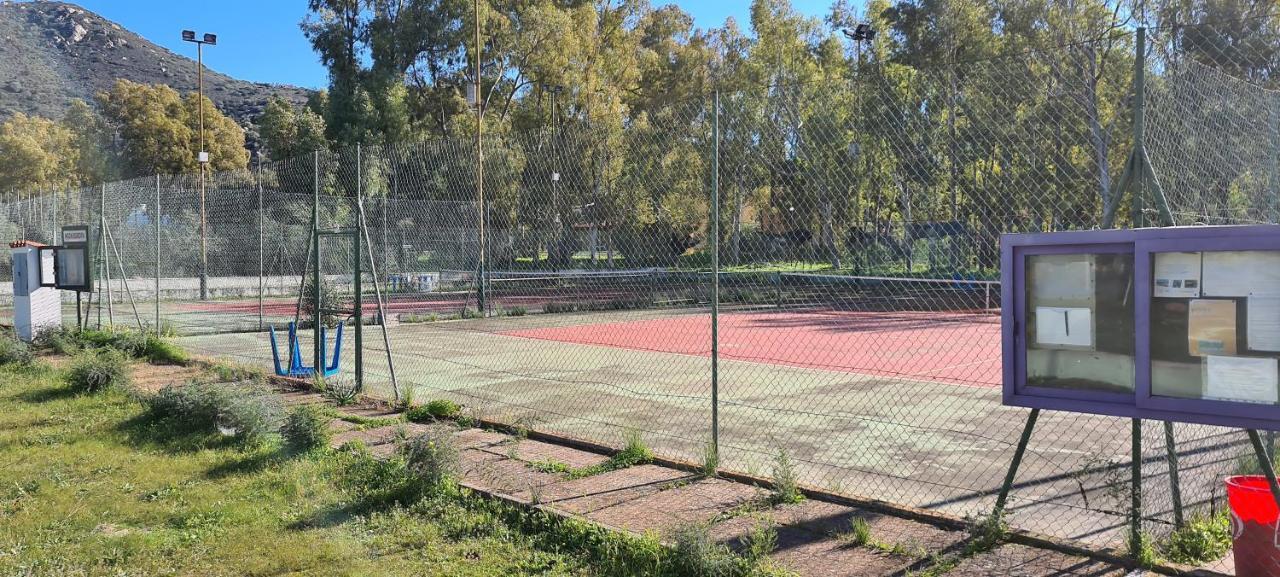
[296,368]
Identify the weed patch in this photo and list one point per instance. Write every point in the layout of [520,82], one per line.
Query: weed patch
[435,409]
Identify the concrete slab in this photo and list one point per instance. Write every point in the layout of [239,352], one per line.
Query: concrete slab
[668,509]
[1023,561]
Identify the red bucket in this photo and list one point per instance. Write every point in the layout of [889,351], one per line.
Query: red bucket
[1254,531]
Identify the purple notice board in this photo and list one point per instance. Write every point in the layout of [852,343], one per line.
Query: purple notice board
[1177,324]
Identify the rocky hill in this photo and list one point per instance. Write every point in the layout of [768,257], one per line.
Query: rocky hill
[53,52]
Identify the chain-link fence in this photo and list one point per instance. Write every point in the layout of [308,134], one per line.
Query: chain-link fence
[855,325]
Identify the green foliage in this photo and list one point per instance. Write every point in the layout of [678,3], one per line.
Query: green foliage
[695,554]
[246,413]
[633,453]
[710,459]
[1142,550]
[306,428]
[433,456]
[120,507]
[433,410]
[859,533]
[36,153]
[15,352]
[96,371]
[1201,540]
[786,483]
[340,390]
[60,340]
[160,129]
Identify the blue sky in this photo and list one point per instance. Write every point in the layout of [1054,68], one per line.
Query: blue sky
[259,40]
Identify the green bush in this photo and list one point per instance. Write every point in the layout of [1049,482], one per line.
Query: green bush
[307,428]
[61,340]
[786,483]
[436,409]
[247,413]
[432,456]
[1200,540]
[15,352]
[93,371]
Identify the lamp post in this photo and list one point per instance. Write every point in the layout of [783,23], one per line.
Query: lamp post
[203,156]
[863,32]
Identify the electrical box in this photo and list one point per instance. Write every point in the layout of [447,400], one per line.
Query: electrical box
[36,308]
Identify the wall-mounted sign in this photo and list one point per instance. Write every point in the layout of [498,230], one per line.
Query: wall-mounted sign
[1176,324]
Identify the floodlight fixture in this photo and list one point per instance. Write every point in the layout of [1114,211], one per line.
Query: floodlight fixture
[189,35]
[211,39]
[862,32]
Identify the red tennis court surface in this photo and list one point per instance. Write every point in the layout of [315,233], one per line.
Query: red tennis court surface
[960,348]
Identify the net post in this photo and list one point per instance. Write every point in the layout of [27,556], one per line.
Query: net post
[715,279]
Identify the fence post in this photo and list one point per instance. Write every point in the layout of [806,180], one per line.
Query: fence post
[359,304]
[715,278]
[156,218]
[261,285]
[315,262]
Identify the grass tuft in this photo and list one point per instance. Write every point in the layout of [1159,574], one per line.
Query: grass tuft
[786,483]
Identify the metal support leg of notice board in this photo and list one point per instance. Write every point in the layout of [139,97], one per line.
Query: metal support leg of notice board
[1264,461]
[1018,454]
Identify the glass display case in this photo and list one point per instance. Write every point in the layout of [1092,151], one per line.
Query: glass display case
[1179,323]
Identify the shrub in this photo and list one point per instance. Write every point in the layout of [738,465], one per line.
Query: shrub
[239,411]
[131,343]
[15,352]
[432,456]
[93,371]
[694,552]
[61,340]
[435,409]
[306,428]
[1201,540]
[340,390]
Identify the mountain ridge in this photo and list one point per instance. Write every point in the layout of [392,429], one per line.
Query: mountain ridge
[54,52]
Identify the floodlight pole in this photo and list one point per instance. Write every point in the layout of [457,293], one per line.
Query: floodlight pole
[202,156]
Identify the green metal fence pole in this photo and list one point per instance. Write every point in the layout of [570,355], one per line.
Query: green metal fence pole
[1135,503]
[1175,487]
[359,305]
[715,280]
[156,218]
[1139,127]
[261,251]
[315,263]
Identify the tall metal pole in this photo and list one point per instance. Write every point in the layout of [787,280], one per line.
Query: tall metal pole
[261,265]
[715,279]
[359,302]
[155,216]
[315,262]
[204,236]
[481,297]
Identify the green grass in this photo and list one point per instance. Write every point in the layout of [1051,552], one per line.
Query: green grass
[87,486]
[635,452]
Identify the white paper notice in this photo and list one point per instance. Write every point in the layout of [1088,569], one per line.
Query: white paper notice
[1064,326]
[1177,274]
[1263,331]
[1241,379]
[1241,273]
[1066,277]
